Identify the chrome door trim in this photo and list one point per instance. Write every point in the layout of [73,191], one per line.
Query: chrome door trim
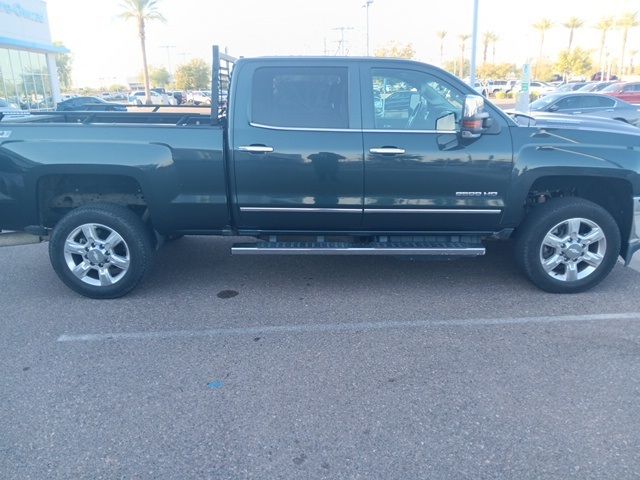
[303,129]
[489,211]
[352,130]
[385,130]
[299,210]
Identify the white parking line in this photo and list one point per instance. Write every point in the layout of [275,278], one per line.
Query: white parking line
[341,327]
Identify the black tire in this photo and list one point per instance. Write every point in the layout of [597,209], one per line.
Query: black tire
[532,232]
[127,224]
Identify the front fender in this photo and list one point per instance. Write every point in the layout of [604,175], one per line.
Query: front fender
[568,153]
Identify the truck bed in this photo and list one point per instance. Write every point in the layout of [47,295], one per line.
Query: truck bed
[171,164]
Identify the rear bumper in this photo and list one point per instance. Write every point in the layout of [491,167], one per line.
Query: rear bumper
[634,236]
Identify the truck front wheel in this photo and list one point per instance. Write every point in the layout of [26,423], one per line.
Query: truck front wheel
[567,245]
[101,250]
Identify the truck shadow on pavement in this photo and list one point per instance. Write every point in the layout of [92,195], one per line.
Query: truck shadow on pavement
[200,264]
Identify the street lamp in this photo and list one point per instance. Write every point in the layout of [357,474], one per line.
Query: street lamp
[367,5]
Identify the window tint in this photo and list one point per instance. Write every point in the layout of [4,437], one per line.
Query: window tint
[569,103]
[412,100]
[595,101]
[313,97]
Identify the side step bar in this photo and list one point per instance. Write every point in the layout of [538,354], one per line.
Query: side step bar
[344,248]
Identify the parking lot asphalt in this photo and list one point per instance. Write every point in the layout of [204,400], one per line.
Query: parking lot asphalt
[228,367]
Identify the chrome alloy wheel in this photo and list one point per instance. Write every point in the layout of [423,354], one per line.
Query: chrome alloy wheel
[573,249]
[97,254]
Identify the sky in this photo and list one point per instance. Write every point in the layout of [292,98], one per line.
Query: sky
[106,49]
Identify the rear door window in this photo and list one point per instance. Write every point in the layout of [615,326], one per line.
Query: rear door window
[307,97]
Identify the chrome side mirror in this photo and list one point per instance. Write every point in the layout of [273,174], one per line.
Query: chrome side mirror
[473,117]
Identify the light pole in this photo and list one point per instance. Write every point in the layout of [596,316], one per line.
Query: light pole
[474,45]
[367,5]
[168,47]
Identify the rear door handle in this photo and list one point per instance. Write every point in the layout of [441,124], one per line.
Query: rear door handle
[387,151]
[255,149]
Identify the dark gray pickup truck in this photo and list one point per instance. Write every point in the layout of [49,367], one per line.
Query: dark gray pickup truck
[322,156]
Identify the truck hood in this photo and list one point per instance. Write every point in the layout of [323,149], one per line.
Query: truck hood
[573,122]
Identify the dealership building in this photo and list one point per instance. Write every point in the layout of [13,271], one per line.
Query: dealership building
[28,74]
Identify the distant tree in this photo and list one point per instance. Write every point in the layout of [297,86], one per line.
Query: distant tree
[542,27]
[604,25]
[142,11]
[195,75]
[572,25]
[441,36]
[488,39]
[64,63]
[575,62]
[395,50]
[627,22]
[463,45]
[453,66]
[546,71]
[632,60]
[494,71]
[494,40]
[159,77]
[116,87]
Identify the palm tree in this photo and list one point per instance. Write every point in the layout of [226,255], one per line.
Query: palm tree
[488,39]
[463,44]
[632,61]
[142,11]
[572,24]
[494,39]
[441,35]
[627,22]
[542,27]
[604,26]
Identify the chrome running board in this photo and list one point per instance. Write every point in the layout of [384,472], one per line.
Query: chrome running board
[345,248]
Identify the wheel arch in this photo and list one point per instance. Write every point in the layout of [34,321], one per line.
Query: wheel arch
[614,194]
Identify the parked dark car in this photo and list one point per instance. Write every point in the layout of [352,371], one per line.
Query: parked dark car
[179,96]
[593,104]
[89,104]
[309,161]
[569,87]
[595,86]
[627,91]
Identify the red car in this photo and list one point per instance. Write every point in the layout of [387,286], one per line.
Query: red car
[627,91]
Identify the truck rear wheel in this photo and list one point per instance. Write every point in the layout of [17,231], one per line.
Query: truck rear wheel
[567,245]
[101,250]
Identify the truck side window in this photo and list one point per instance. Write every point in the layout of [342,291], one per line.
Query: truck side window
[412,100]
[309,97]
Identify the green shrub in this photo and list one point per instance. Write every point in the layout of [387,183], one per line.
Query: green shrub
[501,95]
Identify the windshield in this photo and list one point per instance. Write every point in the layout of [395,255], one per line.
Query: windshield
[612,88]
[543,102]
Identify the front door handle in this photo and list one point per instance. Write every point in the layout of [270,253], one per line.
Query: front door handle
[387,151]
[255,149]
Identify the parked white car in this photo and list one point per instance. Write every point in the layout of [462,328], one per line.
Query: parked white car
[495,86]
[138,98]
[199,97]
